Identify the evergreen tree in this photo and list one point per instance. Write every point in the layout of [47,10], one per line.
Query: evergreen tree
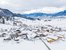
[3,21]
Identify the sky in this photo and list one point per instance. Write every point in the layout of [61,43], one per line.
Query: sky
[22,5]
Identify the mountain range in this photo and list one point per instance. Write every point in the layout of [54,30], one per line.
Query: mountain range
[33,15]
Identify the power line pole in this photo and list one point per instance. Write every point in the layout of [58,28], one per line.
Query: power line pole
[45,44]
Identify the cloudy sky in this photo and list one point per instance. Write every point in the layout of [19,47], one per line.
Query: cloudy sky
[22,5]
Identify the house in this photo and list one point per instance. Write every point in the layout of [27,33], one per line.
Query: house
[17,23]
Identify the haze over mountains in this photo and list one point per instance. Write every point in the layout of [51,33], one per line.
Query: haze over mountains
[33,13]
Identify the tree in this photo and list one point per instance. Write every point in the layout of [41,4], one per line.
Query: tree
[3,21]
[7,18]
[0,17]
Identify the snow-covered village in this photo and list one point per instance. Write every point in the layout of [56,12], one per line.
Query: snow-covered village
[35,29]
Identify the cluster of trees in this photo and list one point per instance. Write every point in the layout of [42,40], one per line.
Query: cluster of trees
[2,19]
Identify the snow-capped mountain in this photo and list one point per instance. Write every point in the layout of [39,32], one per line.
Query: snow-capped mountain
[47,11]
[37,13]
[5,12]
[61,13]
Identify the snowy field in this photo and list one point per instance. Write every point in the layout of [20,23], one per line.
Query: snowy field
[28,26]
